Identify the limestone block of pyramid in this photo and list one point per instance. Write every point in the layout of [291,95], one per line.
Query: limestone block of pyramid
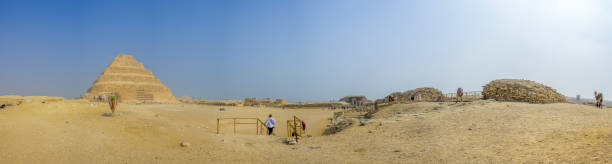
[129,80]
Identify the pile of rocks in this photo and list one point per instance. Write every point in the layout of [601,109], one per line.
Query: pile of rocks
[522,91]
[338,123]
[427,94]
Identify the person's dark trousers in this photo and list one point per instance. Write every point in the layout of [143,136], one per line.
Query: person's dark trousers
[270,131]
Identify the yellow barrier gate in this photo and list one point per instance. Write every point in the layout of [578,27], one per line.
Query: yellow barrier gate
[294,127]
[236,121]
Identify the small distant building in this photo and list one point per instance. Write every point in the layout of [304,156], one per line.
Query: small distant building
[355,100]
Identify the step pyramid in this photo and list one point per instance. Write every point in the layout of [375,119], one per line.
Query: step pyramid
[130,81]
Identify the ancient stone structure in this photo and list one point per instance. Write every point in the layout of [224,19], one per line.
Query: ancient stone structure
[355,100]
[264,102]
[427,94]
[521,90]
[130,81]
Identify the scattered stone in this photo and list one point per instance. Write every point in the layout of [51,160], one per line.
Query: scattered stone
[221,109]
[369,131]
[67,121]
[339,125]
[294,148]
[2,106]
[386,122]
[365,121]
[156,115]
[290,141]
[185,144]
[314,147]
[397,151]
[309,136]
[437,108]
[419,116]
[398,112]
[360,150]
[469,128]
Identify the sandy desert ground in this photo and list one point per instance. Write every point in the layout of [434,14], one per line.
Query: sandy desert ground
[72,131]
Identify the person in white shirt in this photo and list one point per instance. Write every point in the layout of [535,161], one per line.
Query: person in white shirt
[270,124]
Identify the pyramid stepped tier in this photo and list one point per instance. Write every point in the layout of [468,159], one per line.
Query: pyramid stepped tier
[130,81]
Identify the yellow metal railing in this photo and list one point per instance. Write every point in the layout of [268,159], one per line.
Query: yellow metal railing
[236,121]
[295,127]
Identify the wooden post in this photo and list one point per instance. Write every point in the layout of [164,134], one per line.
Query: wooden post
[217,125]
[234,126]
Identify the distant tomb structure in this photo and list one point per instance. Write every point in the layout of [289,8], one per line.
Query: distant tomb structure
[131,82]
[355,100]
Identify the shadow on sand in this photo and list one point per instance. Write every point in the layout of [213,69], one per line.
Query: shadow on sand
[107,114]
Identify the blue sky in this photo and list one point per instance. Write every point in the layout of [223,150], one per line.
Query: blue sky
[307,50]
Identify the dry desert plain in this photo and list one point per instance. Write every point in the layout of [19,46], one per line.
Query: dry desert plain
[72,131]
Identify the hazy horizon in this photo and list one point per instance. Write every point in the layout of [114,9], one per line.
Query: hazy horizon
[308,50]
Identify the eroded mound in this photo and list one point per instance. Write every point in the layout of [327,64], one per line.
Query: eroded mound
[427,94]
[522,91]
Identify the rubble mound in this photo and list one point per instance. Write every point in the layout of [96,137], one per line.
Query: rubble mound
[522,91]
[130,81]
[427,94]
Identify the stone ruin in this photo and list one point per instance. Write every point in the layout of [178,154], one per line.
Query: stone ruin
[355,100]
[427,94]
[264,102]
[522,91]
[131,82]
